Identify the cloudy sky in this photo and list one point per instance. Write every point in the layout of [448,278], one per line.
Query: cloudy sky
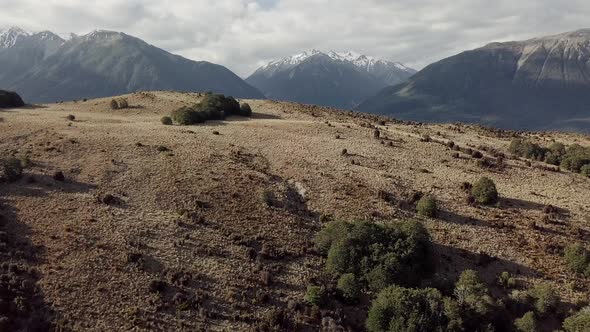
[243,34]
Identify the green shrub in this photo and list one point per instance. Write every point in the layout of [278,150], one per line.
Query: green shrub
[228,105]
[427,206]
[577,258]
[506,280]
[245,110]
[166,120]
[545,298]
[71,117]
[114,104]
[579,322]
[527,149]
[527,323]
[575,158]
[471,292]
[349,288]
[187,116]
[315,295]
[402,309]
[484,191]
[555,154]
[585,170]
[11,169]
[378,255]
[123,103]
[211,107]
[331,232]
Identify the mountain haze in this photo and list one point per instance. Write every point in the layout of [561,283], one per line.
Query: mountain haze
[329,79]
[44,67]
[537,84]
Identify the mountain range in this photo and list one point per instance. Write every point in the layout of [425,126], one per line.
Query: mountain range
[334,79]
[44,67]
[537,84]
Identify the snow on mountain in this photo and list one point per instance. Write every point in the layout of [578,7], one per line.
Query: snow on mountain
[9,37]
[364,62]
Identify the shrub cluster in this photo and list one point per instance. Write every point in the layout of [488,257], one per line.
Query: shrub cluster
[120,103]
[402,309]
[315,295]
[545,298]
[484,191]
[575,158]
[11,169]
[470,308]
[427,206]
[212,107]
[527,323]
[578,322]
[166,120]
[376,255]
[578,258]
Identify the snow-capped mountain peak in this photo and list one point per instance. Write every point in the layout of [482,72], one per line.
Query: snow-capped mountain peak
[361,61]
[9,37]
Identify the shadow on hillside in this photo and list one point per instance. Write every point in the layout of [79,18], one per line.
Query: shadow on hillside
[452,261]
[34,107]
[262,116]
[39,185]
[27,310]
[257,116]
[523,204]
[454,218]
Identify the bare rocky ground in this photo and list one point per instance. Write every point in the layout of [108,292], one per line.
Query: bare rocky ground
[179,228]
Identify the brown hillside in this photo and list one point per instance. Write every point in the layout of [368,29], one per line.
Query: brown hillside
[222,225]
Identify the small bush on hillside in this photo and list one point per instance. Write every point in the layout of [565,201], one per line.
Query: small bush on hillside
[527,149]
[222,103]
[332,232]
[114,104]
[527,323]
[11,169]
[478,309]
[577,258]
[585,170]
[245,110]
[123,103]
[315,295]
[575,158]
[166,120]
[211,107]
[545,298]
[186,116]
[378,255]
[472,293]
[71,117]
[349,288]
[427,206]
[402,309]
[555,154]
[579,322]
[506,280]
[485,191]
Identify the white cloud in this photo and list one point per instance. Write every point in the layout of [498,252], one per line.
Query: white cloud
[242,34]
